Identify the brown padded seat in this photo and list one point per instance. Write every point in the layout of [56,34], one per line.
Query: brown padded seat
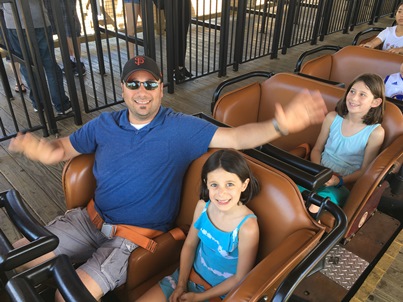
[350,61]
[287,231]
[255,102]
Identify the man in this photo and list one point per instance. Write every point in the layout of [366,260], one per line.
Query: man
[141,156]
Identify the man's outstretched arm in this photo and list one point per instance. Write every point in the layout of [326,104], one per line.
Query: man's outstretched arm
[48,152]
[304,110]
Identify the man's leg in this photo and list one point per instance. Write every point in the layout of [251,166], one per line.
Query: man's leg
[89,283]
[104,260]
[34,262]
[106,269]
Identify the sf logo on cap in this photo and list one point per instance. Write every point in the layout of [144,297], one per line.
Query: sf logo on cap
[139,60]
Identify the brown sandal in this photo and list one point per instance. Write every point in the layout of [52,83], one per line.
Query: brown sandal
[17,89]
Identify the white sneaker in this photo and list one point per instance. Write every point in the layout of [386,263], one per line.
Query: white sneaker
[66,111]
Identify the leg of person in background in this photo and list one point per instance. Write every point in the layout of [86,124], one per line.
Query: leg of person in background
[76,28]
[15,45]
[184,18]
[132,11]
[53,72]
[19,84]
[73,59]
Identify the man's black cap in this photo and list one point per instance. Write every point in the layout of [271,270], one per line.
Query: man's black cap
[140,63]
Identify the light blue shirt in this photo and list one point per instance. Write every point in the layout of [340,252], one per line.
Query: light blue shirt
[345,154]
[216,256]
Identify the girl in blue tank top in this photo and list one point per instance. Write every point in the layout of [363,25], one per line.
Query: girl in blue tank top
[351,136]
[222,243]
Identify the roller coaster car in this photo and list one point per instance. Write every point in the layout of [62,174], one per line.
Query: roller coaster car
[255,102]
[343,65]
[287,233]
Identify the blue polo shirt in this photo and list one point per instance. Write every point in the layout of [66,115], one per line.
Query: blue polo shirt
[139,173]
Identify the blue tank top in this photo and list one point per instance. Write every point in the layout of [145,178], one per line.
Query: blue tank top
[344,154]
[216,256]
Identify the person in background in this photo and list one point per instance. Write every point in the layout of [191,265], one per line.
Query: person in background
[222,243]
[391,37]
[16,66]
[75,28]
[351,136]
[18,79]
[133,12]
[141,156]
[183,16]
[69,32]
[394,85]
[43,30]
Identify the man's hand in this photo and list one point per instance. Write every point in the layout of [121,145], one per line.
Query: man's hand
[36,149]
[304,110]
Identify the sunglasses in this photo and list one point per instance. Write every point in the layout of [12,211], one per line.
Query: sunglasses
[148,85]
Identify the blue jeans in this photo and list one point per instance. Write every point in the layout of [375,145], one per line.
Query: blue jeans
[53,72]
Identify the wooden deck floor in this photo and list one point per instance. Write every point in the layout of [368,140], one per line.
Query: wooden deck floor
[40,186]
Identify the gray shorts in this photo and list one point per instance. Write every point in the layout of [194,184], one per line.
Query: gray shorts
[105,260]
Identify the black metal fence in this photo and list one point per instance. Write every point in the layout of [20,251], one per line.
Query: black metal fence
[203,36]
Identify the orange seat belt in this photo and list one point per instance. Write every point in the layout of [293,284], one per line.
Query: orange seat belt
[138,235]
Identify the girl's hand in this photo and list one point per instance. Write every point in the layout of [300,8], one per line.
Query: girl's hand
[188,297]
[177,293]
[334,181]
[366,45]
[397,50]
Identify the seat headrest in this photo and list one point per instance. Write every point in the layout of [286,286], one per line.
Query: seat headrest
[392,123]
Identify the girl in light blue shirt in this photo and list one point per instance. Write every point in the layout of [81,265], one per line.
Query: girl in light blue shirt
[351,136]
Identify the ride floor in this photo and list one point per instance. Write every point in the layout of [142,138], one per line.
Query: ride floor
[368,268]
